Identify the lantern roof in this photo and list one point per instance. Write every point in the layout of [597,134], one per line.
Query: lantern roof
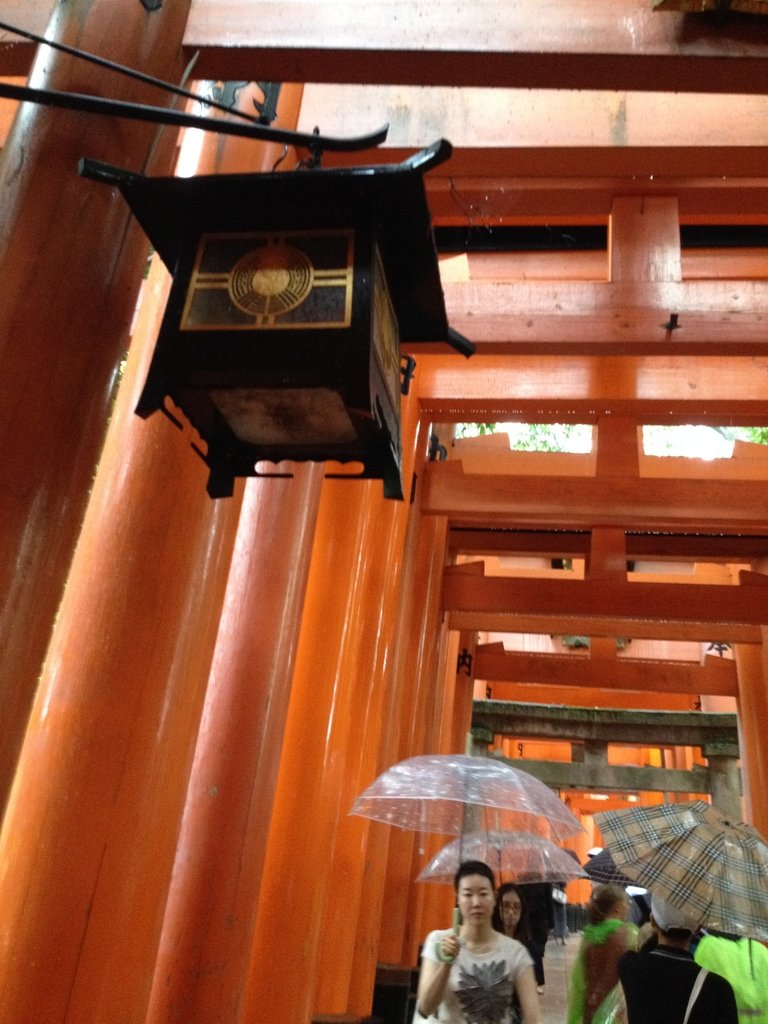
[388,199]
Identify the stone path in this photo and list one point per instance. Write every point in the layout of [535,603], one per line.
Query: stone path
[557,966]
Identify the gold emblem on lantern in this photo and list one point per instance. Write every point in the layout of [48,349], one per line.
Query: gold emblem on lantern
[268,280]
[271,280]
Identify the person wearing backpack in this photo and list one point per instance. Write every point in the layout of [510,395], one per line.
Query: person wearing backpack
[663,982]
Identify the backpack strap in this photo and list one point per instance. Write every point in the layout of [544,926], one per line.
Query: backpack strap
[700,979]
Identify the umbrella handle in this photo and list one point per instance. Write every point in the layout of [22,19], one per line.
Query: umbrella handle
[438,943]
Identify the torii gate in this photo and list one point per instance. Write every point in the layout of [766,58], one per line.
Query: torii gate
[591,730]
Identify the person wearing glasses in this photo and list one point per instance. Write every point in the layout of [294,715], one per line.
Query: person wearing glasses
[469,974]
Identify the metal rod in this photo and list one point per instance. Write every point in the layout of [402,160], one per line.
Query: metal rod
[123,70]
[161,115]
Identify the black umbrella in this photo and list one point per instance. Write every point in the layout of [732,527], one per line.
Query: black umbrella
[602,868]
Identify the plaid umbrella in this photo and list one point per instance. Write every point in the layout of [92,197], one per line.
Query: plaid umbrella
[693,856]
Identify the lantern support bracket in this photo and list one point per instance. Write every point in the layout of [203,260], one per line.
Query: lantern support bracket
[179,119]
[254,128]
[122,69]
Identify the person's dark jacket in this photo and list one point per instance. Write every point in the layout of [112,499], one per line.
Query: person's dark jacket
[657,985]
[539,909]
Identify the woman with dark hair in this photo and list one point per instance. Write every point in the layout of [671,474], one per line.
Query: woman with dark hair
[595,993]
[511,918]
[469,974]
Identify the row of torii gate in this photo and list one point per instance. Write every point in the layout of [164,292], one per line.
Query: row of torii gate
[641,574]
[591,730]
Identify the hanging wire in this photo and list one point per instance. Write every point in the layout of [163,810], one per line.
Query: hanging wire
[121,69]
[254,129]
[164,115]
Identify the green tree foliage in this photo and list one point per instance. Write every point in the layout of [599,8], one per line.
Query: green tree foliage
[658,439]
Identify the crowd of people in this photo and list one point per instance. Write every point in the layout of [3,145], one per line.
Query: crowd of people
[489,968]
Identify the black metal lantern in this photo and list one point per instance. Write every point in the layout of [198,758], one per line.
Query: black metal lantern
[291,295]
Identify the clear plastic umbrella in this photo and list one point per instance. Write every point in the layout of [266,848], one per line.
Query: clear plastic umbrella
[458,793]
[513,856]
[690,854]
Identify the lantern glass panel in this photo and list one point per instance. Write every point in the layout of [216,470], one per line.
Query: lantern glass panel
[253,281]
[275,416]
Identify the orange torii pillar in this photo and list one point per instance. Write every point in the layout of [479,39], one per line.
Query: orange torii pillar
[431,904]
[463,647]
[424,636]
[205,946]
[71,262]
[375,670]
[752,669]
[88,841]
[105,766]
[410,742]
[396,742]
[323,708]
[204,951]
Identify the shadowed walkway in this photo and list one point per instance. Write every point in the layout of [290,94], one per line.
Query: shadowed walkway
[557,967]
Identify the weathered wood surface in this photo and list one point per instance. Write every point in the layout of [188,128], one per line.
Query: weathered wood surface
[526,43]
[716,676]
[568,502]
[529,43]
[718,605]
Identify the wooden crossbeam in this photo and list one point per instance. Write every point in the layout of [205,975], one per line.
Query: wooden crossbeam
[623,602]
[743,409]
[566,775]
[528,44]
[717,676]
[568,200]
[609,725]
[562,620]
[570,544]
[556,155]
[715,390]
[592,698]
[568,502]
[531,43]
[620,318]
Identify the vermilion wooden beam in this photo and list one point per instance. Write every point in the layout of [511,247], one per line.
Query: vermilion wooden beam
[591,697]
[602,44]
[600,318]
[738,411]
[715,390]
[564,620]
[705,262]
[518,195]
[714,506]
[561,155]
[497,131]
[717,676]
[569,544]
[531,43]
[694,602]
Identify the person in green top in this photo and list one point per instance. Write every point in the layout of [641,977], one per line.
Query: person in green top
[744,962]
[594,995]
